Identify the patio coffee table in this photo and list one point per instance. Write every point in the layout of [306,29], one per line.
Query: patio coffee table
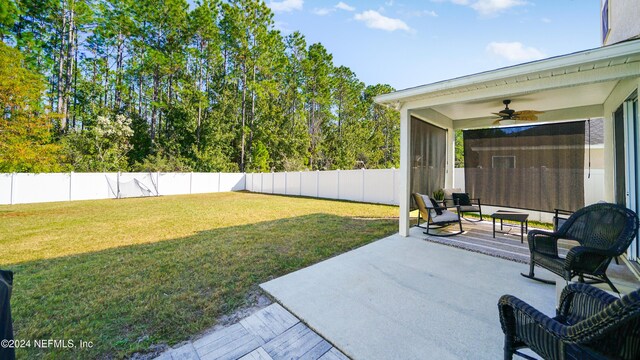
[513,216]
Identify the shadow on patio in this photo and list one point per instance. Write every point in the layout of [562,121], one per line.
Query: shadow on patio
[411,298]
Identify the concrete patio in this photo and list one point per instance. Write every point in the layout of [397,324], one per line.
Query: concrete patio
[407,298]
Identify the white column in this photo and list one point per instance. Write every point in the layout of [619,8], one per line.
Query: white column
[405,171]
[451,158]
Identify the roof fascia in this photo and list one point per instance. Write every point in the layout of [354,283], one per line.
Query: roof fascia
[582,58]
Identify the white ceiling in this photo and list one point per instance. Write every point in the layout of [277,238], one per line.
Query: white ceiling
[548,100]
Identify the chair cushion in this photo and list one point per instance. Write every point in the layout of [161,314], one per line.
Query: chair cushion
[427,202]
[469,208]
[462,199]
[436,207]
[448,195]
[447,216]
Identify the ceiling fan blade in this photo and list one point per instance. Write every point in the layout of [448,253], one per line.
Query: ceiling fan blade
[501,115]
[525,117]
[528,112]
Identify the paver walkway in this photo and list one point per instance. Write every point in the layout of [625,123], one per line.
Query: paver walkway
[272,333]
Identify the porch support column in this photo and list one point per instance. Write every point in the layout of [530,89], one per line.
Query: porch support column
[405,171]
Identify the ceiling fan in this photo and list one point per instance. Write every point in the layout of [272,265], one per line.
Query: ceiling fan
[510,116]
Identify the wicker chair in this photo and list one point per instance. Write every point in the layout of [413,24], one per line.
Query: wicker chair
[590,324]
[6,325]
[603,230]
[436,216]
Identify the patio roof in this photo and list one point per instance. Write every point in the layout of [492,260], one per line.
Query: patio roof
[565,87]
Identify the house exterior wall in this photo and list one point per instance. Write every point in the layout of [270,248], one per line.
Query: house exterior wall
[623,21]
[619,94]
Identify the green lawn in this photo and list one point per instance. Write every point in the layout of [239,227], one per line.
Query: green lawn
[131,274]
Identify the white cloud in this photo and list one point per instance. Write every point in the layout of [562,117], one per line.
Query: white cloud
[327,11]
[375,20]
[418,13]
[488,7]
[322,11]
[286,5]
[343,6]
[514,51]
[545,20]
[493,7]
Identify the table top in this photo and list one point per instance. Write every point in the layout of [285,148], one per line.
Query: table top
[510,215]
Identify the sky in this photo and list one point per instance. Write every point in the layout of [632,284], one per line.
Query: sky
[415,42]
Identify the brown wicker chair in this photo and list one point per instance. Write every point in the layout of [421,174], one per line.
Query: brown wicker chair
[603,230]
[590,324]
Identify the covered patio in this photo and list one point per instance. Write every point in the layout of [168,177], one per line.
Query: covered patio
[597,83]
[415,297]
[408,298]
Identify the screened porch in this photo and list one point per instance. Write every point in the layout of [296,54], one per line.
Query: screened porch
[566,92]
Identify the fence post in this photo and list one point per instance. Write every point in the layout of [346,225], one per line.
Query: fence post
[11,193]
[363,176]
[299,183]
[317,183]
[191,182]
[220,180]
[70,184]
[273,180]
[393,179]
[285,182]
[118,185]
[158,181]
[338,184]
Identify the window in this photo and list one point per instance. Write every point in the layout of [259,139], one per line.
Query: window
[503,162]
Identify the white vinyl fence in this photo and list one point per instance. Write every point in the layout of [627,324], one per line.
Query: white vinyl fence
[373,186]
[22,188]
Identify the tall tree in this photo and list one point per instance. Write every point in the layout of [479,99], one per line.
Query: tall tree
[210,85]
[26,141]
[317,68]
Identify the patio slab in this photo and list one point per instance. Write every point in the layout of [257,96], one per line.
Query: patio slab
[406,298]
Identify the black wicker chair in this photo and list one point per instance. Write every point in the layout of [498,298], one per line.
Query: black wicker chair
[603,231]
[590,324]
[6,325]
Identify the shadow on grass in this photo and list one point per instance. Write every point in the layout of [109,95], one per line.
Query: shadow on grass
[136,298]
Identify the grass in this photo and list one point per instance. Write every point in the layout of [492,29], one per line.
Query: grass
[131,275]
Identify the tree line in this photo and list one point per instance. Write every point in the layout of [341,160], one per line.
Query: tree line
[162,85]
